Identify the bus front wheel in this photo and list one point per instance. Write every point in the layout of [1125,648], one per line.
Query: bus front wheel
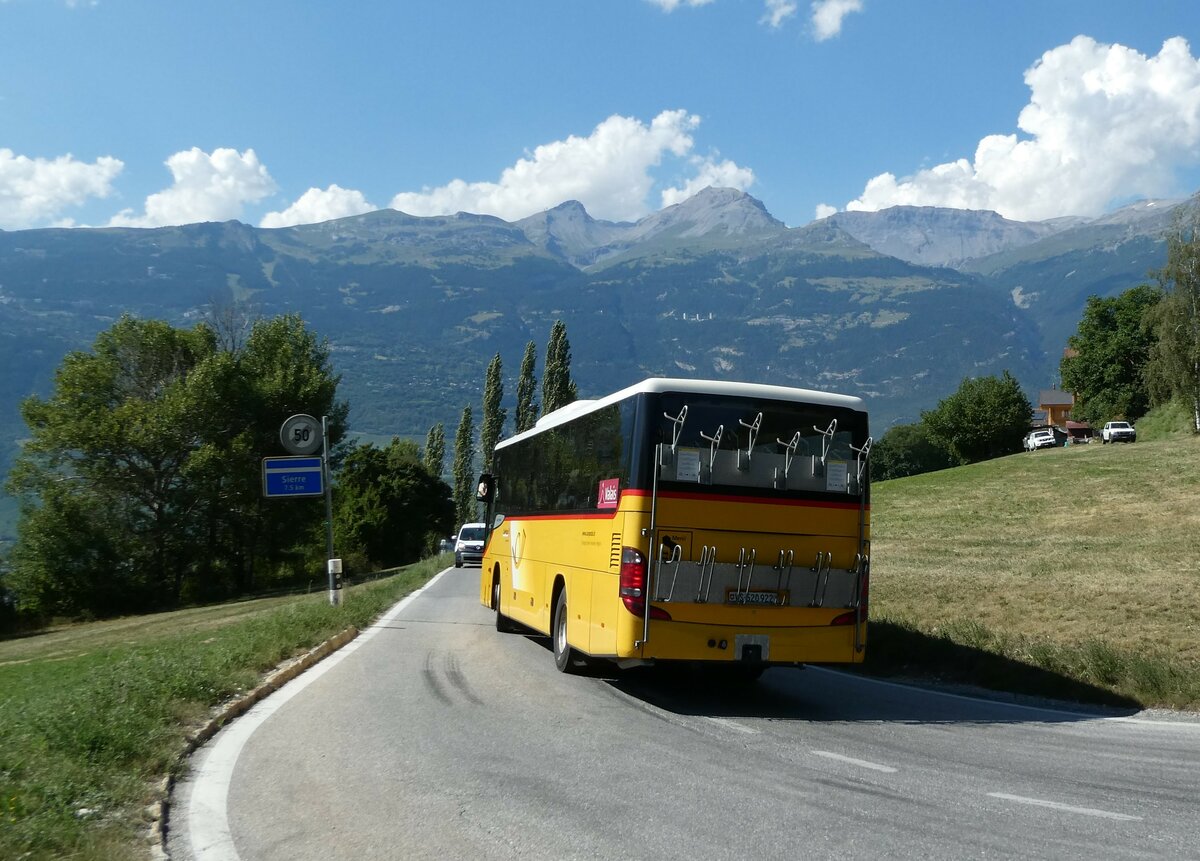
[564,655]
[504,624]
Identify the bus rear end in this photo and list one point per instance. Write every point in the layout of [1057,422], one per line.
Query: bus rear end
[751,533]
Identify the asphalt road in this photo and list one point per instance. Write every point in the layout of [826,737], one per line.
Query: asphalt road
[434,736]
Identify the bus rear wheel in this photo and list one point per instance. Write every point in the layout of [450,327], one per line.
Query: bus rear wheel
[564,656]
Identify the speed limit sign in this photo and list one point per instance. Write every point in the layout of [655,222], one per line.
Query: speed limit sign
[301,434]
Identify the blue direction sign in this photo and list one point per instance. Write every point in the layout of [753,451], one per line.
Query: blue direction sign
[292,476]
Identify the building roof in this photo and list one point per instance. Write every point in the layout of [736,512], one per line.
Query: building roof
[1055,398]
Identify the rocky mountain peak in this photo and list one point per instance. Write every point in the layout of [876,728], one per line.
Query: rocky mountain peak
[713,210]
[939,236]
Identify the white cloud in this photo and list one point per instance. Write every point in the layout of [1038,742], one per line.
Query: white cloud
[827,16]
[709,172]
[1104,122]
[34,191]
[777,12]
[672,5]
[316,205]
[207,187]
[824,210]
[609,172]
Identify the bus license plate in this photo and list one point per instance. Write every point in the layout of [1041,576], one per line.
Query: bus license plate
[756,599]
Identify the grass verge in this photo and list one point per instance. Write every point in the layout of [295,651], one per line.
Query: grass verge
[92,719]
[1067,572]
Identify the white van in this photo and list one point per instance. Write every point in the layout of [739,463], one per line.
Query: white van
[469,546]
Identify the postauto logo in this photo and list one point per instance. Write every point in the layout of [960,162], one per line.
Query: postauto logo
[609,493]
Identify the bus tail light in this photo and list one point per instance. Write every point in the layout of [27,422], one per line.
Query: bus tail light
[633,585]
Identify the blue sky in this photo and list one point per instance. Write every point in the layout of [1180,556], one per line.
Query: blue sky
[148,113]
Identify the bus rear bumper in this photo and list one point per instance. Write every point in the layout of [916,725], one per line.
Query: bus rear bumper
[828,644]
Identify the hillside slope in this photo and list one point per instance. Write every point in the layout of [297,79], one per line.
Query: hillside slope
[1070,547]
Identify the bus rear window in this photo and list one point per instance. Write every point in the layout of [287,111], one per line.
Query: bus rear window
[764,445]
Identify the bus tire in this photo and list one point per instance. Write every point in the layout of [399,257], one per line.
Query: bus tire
[504,624]
[564,655]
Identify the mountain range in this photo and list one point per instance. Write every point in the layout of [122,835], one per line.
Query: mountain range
[897,306]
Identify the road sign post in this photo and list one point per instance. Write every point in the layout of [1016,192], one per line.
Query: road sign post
[333,566]
[302,475]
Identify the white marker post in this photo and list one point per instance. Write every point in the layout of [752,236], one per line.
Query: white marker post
[334,566]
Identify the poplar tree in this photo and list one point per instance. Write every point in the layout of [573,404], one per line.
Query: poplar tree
[493,413]
[527,410]
[435,450]
[464,456]
[558,389]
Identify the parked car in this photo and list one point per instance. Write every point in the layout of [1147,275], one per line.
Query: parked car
[1118,432]
[1042,438]
[468,549]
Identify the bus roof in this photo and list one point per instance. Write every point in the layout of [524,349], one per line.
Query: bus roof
[702,387]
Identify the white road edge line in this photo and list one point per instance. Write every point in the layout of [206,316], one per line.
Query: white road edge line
[862,763]
[732,724]
[1170,724]
[1057,805]
[208,820]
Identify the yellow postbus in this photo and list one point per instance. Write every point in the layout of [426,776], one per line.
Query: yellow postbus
[739,514]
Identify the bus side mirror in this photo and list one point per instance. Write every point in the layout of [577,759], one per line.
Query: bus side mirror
[486,489]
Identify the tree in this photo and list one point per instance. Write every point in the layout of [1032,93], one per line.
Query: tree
[283,369]
[107,462]
[389,505]
[435,450]
[140,485]
[985,418]
[1174,367]
[1110,351]
[493,413]
[464,479]
[231,321]
[558,389]
[527,410]
[906,450]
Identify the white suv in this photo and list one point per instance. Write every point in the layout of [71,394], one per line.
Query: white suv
[1118,432]
[469,546]
[1039,439]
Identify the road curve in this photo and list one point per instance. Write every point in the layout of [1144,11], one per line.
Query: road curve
[434,736]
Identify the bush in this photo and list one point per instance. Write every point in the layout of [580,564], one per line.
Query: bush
[1166,420]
